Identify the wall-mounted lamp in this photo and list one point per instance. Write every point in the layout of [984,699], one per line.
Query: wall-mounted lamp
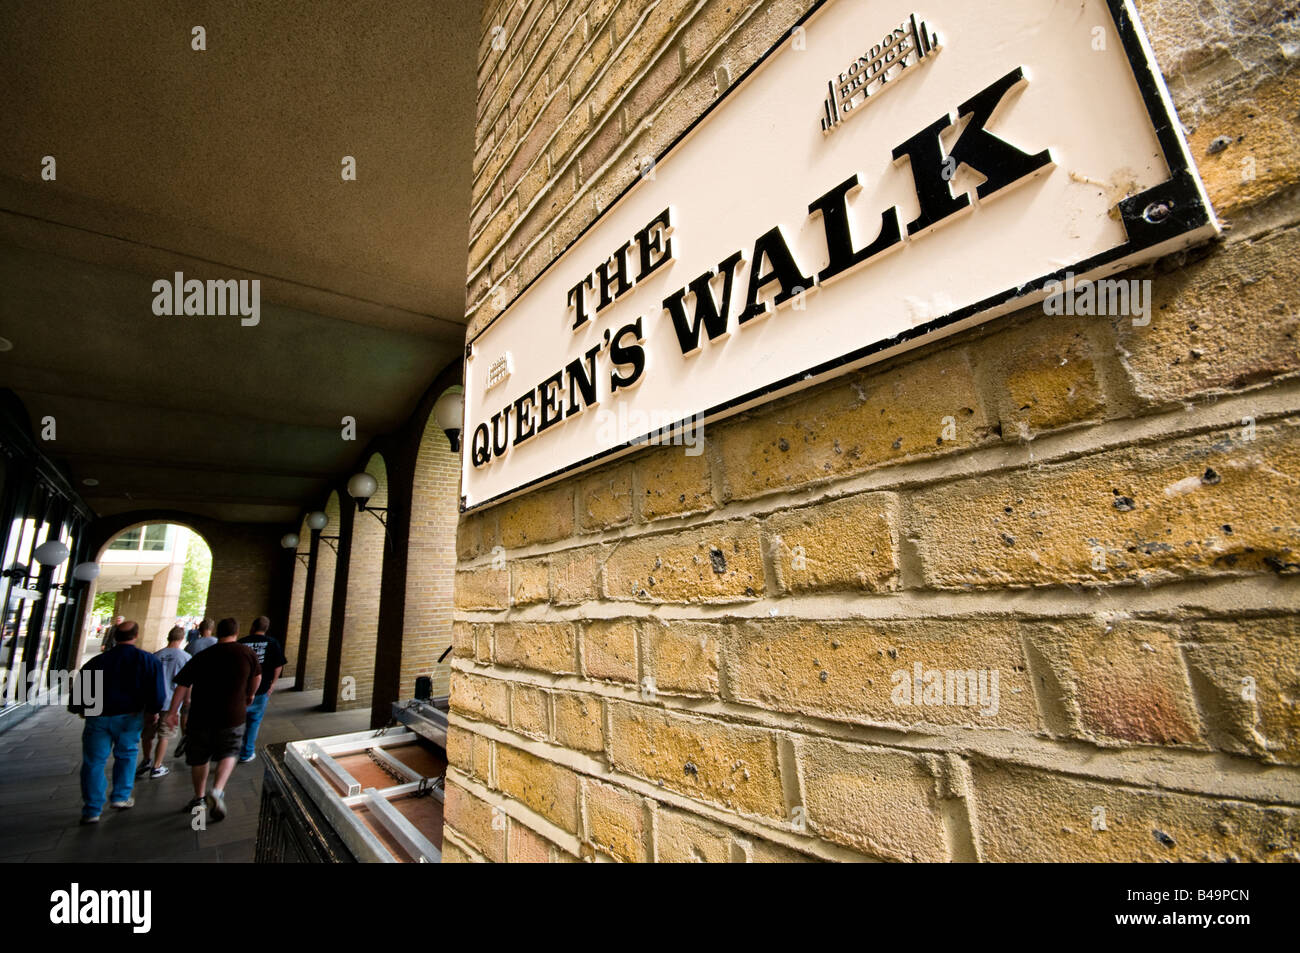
[449,414]
[290,541]
[361,488]
[85,572]
[317,520]
[52,552]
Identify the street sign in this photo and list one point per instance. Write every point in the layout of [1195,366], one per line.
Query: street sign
[884,175]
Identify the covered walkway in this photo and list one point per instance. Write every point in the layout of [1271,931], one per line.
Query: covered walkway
[40,795]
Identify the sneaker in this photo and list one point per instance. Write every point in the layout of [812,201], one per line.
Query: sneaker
[251,757]
[216,806]
[123,805]
[90,818]
[143,769]
[195,802]
[160,772]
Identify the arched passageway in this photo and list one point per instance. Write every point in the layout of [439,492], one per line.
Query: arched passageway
[431,562]
[154,573]
[317,630]
[350,674]
[297,598]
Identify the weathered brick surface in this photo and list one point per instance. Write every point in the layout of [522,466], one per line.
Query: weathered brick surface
[1228,321]
[722,563]
[843,544]
[880,802]
[853,671]
[867,421]
[683,656]
[615,820]
[731,765]
[609,650]
[547,788]
[1028,815]
[1247,674]
[1213,504]
[548,646]
[1122,681]
[714,636]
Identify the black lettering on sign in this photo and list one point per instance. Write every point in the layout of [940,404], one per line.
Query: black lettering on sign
[629,354]
[708,311]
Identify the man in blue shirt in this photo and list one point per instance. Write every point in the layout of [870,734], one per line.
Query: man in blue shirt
[130,684]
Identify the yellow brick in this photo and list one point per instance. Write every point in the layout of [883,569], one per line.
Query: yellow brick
[731,765]
[1267,651]
[575,574]
[765,852]
[528,710]
[1263,154]
[720,563]
[476,821]
[852,425]
[482,589]
[1212,504]
[451,854]
[1225,322]
[480,697]
[545,646]
[1045,374]
[482,758]
[609,649]
[673,481]
[878,801]
[1029,815]
[538,517]
[462,639]
[579,722]
[523,846]
[615,820]
[844,544]
[605,500]
[547,788]
[1122,681]
[460,748]
[779,664]
[681,838]
[528,581]
[682,656]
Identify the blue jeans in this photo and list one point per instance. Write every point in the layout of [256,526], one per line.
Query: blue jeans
[253,721]
[105,734]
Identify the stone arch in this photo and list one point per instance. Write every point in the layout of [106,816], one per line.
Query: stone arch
[431,561]
[297,593]
[351,680]
[147,579]
[322,598]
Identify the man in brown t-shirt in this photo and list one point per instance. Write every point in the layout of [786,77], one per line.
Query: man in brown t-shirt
[219,683]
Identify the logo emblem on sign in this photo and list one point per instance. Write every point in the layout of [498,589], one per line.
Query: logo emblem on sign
[908,44]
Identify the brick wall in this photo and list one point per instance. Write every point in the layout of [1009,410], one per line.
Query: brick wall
[322,599]
[431,562]
[297,598]
[695,658]
[361,616]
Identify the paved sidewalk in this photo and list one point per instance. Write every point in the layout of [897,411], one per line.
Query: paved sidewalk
[40,793]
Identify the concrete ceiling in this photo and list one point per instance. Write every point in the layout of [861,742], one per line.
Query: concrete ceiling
[225,164]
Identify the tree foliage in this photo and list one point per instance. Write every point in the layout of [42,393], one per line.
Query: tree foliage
[193,599]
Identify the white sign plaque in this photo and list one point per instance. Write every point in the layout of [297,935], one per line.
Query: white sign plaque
[886,174]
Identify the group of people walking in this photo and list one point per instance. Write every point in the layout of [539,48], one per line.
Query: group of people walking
[213,692]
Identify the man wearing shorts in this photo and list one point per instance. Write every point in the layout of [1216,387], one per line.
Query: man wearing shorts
[220,683]
[156,730]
